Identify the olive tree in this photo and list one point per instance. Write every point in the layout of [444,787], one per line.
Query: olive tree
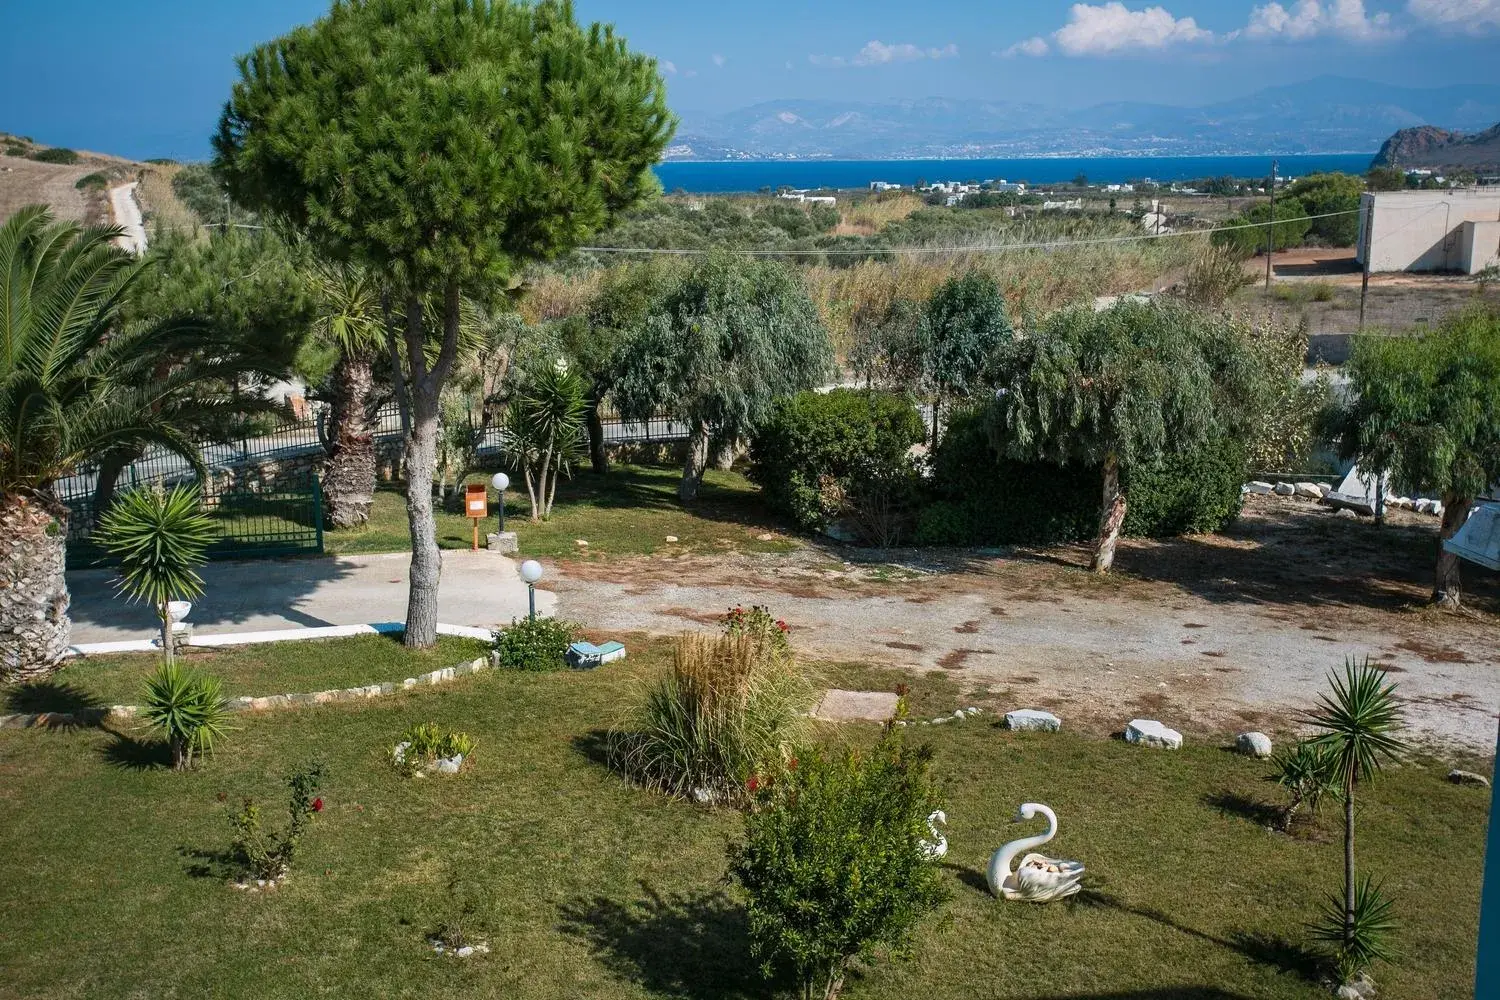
[1426,411]
[1128,386]
[728,340]
[442,145]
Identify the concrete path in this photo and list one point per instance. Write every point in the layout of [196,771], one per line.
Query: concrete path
[478,588]
[127,215]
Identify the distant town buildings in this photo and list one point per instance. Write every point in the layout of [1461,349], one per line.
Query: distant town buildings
[1069,205]
[809,199]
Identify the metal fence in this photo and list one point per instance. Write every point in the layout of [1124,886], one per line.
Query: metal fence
[283,520]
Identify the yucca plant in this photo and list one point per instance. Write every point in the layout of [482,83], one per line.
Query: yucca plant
[161,537]
[1306,772]
[188,709]
[1359,936]
[1359,720]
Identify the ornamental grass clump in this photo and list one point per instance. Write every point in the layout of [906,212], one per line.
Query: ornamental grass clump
[729,708]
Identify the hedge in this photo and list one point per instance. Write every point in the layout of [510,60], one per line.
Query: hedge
[982,500]
[817,449]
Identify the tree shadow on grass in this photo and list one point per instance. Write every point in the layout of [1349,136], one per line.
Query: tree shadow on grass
[594,746]
[220,865]
[1245,807]
[694,947]
[1269,950]
[48,696]
[131,754]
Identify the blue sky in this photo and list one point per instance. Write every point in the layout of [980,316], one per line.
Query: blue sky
[148,77]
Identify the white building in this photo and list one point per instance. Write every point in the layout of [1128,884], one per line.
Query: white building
[884,186]
[1456,230]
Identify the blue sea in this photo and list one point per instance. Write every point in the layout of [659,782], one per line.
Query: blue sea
[752,175]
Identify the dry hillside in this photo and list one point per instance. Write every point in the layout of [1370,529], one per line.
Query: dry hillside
[27,181]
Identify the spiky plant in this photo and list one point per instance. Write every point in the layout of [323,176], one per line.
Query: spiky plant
[1306,772]
[161,537]
[1359,937]
[188,709]
[1359,720]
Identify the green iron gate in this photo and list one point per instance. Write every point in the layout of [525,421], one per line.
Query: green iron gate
[281,520]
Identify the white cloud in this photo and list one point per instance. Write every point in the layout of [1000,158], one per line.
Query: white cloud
[668,67]
[1113,27]
[1346,19]
[878,53]
[718,59]
[1030,47]
[1471,16]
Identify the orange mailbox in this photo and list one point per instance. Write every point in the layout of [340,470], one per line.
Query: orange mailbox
[477,507]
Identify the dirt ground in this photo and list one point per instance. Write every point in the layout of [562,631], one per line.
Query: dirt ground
[1209,634]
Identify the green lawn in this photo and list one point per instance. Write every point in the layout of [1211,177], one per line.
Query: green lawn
[628,511]
[603,891]
[270,668]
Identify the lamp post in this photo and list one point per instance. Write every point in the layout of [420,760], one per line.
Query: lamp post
[500,481]
[531,572]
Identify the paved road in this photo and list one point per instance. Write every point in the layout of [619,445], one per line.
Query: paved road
[127,213]
[478,588]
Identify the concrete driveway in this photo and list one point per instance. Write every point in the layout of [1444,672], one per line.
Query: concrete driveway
[478,588]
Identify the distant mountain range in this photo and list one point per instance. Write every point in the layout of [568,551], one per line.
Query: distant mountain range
[1440,149]
[1324,115]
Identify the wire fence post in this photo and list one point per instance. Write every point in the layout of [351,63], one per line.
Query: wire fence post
[1367,242]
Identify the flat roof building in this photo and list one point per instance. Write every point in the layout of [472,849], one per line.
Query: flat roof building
[1455,230]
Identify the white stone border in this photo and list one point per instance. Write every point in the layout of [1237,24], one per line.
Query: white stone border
[250,703]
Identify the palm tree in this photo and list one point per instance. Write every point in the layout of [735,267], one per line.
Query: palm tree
[73,388]
[1358,719]
[350,321]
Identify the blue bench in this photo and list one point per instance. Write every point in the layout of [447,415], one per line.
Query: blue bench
[586,655]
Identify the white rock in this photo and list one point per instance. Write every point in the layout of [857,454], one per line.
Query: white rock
[958,714]
[1260,487]
[1437,507]
[1346,514]
[1283,489]
[1310,490]
[1424,506]
[581,543]
[1150,733]
[671,538]
[450,765]
[1253,744]
[1459,777]
[482,948]
[1349,993]
[940,720]
[973,710]
[465,951]
[1033,719]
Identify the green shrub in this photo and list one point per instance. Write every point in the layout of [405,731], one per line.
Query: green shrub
[56,154]
[831,864]
[93,181]
[1291,227]
[820,456]
[424,744]
[730,707]
[268,856]
[188,709]
[1307,772]
[15,149]
[758,624]
[535,643]
[984,500]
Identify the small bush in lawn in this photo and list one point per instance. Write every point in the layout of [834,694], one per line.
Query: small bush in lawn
[424,744]
[535,644]
[760,625]
[268,855]
[729,708]
[188,709]
[831,863]
[1307,771]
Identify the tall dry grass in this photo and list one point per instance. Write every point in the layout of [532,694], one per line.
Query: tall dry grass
[160,204]
[730,707]
[870,215]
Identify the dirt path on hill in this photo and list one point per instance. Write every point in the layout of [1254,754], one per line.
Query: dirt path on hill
[1210,634]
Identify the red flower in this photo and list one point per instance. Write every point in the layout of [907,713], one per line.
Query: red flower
[902,690]
[317,804]
[791,765]
[783,625]
[753,784]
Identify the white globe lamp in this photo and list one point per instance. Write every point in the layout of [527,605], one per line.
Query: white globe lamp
[531,572]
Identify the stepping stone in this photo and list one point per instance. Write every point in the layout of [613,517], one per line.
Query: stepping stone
[1032,719]
[1253,744]
[845,706]
[1150,733]
[1459,777]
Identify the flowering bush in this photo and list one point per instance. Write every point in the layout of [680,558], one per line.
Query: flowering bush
[268,856]
[758,624]
[535,644]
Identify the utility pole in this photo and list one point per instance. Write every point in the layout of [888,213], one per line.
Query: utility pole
[1367,242]
[1271,229]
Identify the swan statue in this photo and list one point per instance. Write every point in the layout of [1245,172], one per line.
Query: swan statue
[1039,879]
[937,847]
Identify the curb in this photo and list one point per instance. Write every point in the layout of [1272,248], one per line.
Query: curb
[276,635]
[248,703]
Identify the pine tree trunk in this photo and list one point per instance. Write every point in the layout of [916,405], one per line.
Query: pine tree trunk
[349,469]
[598,458]
[426,560]
[1111,517]
[34,624]
[1448,590]
[693,464]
